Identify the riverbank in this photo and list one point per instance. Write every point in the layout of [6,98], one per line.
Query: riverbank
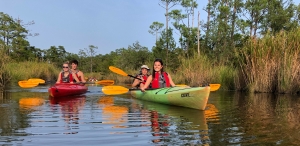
[270,64]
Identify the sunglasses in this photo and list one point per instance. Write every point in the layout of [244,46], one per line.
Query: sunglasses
[65,67]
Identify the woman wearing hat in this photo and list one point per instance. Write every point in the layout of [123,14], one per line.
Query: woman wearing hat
[143,76]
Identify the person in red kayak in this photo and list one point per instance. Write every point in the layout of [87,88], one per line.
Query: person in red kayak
[79,74]
[159,78]
[66,76]
[144,73]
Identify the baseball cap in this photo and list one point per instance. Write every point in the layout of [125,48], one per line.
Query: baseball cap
[144,66]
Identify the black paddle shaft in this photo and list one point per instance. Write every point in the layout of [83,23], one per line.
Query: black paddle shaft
[134,77]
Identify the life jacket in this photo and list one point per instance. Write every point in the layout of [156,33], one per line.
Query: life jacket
[160,80]
[79,77]
[66,79]
[142,76]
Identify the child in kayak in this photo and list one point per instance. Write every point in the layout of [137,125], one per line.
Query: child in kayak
[66,76]
[78,73]
[144,73]
[159,78]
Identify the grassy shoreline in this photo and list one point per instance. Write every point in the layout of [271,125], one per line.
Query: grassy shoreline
[270,64]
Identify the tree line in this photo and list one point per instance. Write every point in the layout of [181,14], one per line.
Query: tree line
[229,25]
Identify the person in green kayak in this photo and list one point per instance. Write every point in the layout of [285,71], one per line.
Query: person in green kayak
[143,75]
[159,78]
[79,74]
[66,76]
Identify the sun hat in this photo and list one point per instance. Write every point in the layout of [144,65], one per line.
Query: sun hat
[145,66]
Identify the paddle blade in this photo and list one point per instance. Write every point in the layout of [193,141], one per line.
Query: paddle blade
[214,87]
[40,81]
[117,71]
[105,82]
[27,84]
[114,90]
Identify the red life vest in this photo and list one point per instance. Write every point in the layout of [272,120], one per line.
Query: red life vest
[79,78]
[66,81]
[145,78]
[155,80]
[142,76]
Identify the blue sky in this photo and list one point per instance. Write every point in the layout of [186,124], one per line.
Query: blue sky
[76,24]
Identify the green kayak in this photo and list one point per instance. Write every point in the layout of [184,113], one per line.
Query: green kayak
[191,97]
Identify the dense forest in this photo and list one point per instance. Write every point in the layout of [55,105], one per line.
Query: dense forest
[248,45]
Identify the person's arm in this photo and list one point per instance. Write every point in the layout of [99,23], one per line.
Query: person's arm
[59,78]
[74,77]
[135,83]
[82,77]
[171,81]
[149,79]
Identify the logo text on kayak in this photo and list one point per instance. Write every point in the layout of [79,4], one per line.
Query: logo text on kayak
[185,95]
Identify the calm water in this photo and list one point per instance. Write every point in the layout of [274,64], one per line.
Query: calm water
[30,117]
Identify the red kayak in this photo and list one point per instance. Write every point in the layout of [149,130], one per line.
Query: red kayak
[67,89]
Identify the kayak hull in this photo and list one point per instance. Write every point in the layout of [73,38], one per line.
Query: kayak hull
[67,89]
[191,97]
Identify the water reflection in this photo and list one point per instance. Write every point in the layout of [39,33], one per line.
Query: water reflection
[260,118]
[174,125]
[212,113]
[159,125]
[256,119]
[16,110]
[113,114]
[31,102]
[70,110]
[32,118]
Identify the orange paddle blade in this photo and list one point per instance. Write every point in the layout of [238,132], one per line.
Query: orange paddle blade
[117,71]
[27,84]
[114,90]
[214,87]
[40,81]
[105,82]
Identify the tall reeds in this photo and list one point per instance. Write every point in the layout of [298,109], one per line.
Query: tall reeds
[271,64]
[29,69]
[198,71]
[5,74]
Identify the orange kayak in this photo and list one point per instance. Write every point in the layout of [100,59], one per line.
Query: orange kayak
[67,89]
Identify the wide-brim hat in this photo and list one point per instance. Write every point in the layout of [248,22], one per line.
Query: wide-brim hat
[145,66]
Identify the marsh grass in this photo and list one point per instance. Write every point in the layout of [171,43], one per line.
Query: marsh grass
[199,71]
[5,74]
[30,69]
[271,64]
